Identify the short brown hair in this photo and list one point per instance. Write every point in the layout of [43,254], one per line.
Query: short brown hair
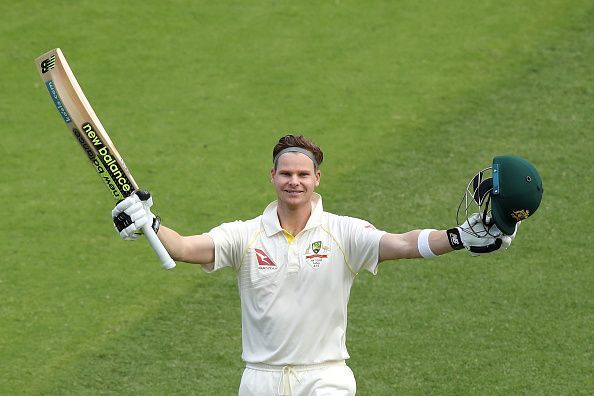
[298,141]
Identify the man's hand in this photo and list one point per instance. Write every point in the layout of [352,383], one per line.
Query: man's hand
[479,238]
[132,213]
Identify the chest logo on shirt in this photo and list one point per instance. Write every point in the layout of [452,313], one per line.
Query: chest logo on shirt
[264,262]
[317,254]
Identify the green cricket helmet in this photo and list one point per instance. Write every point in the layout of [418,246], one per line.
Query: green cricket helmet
[511,194]
[517,191]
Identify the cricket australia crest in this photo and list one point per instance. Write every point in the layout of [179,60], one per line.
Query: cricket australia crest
[317,254]
[519,215]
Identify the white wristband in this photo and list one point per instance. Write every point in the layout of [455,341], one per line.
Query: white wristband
[423,243]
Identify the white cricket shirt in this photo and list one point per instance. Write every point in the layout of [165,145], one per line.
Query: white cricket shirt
[294,295]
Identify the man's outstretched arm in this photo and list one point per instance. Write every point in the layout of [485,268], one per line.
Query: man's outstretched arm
[473,235]
[194,249]
[132,213]
[405,246]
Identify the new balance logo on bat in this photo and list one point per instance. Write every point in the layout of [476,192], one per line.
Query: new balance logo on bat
[117,173]
[48,64]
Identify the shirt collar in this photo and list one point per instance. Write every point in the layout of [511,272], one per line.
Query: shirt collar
[272,224]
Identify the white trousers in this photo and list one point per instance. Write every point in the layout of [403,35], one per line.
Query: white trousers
[326,379]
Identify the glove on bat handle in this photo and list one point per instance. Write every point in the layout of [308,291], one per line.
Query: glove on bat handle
[158,247]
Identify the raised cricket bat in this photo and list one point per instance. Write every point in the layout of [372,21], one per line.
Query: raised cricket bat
[80,118]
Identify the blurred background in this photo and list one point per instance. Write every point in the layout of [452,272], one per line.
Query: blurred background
[407,99]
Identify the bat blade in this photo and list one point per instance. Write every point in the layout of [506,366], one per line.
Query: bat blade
[81,120]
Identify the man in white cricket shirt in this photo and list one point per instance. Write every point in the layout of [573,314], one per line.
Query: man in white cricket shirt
[295,267]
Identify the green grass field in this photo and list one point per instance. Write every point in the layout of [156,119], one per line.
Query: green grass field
[408,99]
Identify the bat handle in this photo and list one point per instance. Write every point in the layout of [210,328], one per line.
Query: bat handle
[158,247]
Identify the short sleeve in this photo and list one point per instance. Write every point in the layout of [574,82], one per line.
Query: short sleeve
[362,244]
[228,241]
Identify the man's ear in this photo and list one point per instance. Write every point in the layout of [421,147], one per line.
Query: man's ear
[318,176]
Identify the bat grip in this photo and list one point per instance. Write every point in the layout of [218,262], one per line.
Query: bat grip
[158,247]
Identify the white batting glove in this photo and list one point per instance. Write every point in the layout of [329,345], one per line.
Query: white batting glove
[479,238]
[133,213]
[506,240]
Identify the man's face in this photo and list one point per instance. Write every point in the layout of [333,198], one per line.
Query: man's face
[295,179]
